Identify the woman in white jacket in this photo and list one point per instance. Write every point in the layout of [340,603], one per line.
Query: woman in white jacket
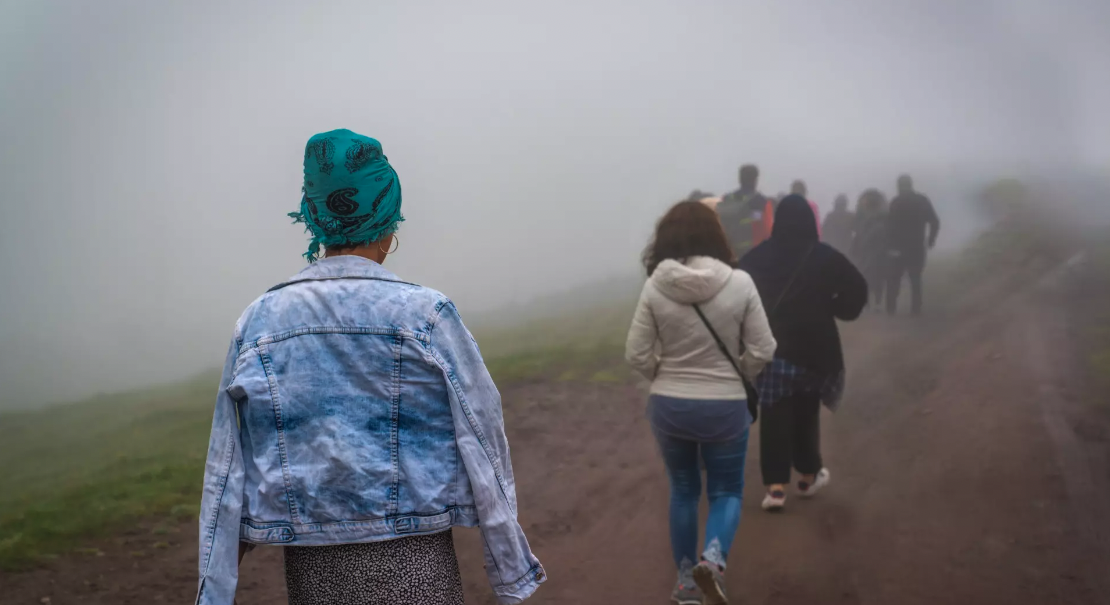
[693,297]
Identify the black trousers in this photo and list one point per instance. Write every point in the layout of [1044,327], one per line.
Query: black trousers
[912,265]
[790,436]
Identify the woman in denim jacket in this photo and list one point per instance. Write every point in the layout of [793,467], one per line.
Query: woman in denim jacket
[698,405]
[356,423]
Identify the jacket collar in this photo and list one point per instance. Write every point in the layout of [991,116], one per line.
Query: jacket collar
[341,267]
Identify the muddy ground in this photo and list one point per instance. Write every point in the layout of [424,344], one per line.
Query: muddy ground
[970,463]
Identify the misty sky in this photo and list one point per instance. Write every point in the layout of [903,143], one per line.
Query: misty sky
[150,150]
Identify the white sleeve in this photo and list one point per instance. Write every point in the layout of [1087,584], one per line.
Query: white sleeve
[759,342]
[639,349]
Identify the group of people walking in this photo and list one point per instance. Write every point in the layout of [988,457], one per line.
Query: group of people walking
[356,423]
[736,323]
[888,242]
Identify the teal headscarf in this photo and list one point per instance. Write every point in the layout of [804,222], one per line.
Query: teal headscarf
[352,195]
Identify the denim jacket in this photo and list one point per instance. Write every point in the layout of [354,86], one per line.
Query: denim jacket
[355,407]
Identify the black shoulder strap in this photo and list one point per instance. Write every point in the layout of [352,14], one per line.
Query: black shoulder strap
[749,390]
[720,343]
[793,278]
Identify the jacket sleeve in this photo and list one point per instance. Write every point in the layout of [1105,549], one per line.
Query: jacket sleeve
[849,289]
[514,572]
[755,330]
[222,496]
[639,348]
[932,220]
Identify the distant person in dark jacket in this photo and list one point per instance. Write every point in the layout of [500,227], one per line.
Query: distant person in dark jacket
[869,244]
[805,286]
[746,214]
[911,213]
[839,225]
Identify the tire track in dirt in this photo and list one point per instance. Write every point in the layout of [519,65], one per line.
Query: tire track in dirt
[1081,443]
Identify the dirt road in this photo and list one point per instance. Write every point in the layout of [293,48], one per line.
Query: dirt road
[970,461]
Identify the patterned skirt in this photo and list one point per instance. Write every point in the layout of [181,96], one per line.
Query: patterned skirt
[418,569]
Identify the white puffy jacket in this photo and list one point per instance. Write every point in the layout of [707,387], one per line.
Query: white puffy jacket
[669,344]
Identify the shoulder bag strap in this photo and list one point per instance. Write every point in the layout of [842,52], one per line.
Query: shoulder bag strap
[793,278]
[749,390]
[720,343]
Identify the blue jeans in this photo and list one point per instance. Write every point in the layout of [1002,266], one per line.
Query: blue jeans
[724,466]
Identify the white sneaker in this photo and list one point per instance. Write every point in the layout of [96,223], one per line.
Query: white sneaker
[774,501]
[807,490]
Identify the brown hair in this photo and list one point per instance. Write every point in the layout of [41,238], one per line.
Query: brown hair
[688,229]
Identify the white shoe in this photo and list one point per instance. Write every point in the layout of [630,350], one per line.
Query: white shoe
[807,490]
[774,501]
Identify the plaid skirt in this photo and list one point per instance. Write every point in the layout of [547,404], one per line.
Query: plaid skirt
[781,379]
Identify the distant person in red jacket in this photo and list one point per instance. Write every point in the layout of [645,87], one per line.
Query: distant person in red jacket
[746,214]
[798,187]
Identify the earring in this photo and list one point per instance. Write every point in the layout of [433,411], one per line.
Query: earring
[396,242]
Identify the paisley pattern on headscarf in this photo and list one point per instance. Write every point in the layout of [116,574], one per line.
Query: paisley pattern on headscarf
[351,205]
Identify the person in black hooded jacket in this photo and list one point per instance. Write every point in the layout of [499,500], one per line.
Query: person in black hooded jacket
[805,286]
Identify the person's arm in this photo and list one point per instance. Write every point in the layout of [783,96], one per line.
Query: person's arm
[755,330]
[513,571]
[222,497]
[850,289]
[639,348]
[933,221]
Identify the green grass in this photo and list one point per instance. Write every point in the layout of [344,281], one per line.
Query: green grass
[81,470]
[77,472]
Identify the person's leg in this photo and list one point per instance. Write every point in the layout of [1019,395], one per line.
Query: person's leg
[894,284]
[724,466]
[916,269]
[774,443]
[882,276]
[807,435]
[681,459]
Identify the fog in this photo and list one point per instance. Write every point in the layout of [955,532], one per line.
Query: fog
[149,151]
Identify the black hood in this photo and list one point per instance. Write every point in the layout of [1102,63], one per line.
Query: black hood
[794,220]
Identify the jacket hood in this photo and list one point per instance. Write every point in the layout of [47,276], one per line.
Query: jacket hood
[794,220]
[697,280]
